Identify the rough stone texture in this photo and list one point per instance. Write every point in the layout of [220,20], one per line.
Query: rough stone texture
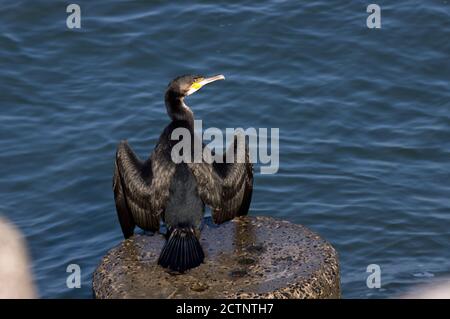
[248,257]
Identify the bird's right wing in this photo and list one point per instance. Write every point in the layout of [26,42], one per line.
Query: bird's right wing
[141,189]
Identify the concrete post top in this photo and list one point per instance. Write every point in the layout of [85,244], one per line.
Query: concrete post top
[248,257]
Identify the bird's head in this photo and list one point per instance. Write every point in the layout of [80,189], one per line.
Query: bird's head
[187,84]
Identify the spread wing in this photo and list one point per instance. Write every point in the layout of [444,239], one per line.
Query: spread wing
[226,187]
[141,189]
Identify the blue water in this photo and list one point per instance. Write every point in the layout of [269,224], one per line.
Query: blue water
[364,118]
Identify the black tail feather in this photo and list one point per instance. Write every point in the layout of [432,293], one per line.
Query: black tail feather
[182,251]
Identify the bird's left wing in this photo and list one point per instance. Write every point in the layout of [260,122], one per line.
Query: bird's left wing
[226,187]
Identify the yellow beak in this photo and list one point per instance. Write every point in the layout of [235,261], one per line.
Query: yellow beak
[201,82]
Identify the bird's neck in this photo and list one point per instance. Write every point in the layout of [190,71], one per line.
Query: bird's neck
[177,109]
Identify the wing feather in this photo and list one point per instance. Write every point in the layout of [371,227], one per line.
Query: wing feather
[226,187]
[141,189]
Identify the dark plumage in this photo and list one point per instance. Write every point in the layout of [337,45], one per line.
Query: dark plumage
[147,192]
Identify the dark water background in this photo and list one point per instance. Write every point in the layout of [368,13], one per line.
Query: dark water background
[364,118]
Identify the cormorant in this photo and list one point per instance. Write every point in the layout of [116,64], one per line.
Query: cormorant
[158,189]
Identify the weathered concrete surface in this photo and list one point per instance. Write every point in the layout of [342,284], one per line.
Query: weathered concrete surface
[249,257]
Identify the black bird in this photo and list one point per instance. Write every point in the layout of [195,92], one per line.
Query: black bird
[158,189]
